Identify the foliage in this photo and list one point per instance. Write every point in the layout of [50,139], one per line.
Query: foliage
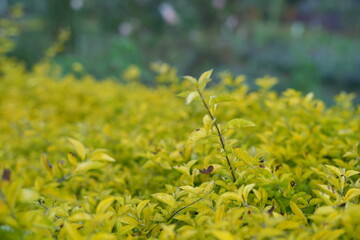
[83,159]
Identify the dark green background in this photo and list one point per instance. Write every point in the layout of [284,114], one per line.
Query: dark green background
[310,45]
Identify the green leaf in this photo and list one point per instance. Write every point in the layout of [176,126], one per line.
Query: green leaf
[104,205]
[351,193]
[165,198]
[192,80]
[79,147]
[99,155]
[246,191]
[197,135]
[223,235]
[232,196]
[71,231]
[335,170]
[204,79]
[297,211]
[220,99]
[86,166]
[205,75]
[350,173]
[192,95]
[239,123]
[141,206]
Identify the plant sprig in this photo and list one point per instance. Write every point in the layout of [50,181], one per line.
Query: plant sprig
[200,86]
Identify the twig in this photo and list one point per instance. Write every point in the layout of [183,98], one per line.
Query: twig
[221,139]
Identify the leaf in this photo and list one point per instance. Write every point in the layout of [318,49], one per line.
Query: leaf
[103,236]
[192,95]
[223,235]
[101,156]
[104,205]
[197,135]
[266,82]
[205,75]
[239,123]
[351,193]
[165,198]
[72,232]
[231,196]
[247,190]
[192,80]
[351,173]
[45,161]
[297,211]
[79,216]
[204,79]
[324,210]
[128,220]
[141,206]
[28,195]
[72,159]
[79,148]
[86,166]
[220,99]
[288,224]
[334,169]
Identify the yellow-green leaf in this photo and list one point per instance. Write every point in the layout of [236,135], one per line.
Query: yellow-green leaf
[247,190]
[334,169]
[165,198]
[101,156]
[197,135]
[351,193]
[72,232]
[86,166]
[297,211]
[103,236]
[204,79]
[220,99]
[205,75]
[28,195]
[128,220]
[79,216]
[141,206]
[104,205]
[79,147]
[351,173]
[192,80]
[239,123]
[231,196]
[191,96]
[223,235]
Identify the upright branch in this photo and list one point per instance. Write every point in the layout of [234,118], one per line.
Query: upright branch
[220,136]
[200,86]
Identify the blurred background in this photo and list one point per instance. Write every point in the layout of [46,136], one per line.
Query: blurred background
[309,45]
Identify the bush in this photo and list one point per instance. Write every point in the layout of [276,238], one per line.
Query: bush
[83,159]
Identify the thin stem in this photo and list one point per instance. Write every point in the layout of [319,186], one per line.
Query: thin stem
[47,209]
[221,139]
[179,210]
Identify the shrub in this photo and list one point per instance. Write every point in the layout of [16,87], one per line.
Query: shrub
[83,159]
